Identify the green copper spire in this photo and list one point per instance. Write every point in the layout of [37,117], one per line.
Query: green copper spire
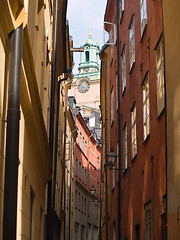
[89,65]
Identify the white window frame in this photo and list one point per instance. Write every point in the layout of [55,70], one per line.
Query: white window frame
[146,108]
[160,77]
[125,146]
[132,42]
[121,8]
[143,10]
[133,132]
[123,68]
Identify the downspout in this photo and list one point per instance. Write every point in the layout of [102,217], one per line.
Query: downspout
[100,219]
[55,160]
[49,232]
[119,125]
[165,89]
[12,136]
[105,144]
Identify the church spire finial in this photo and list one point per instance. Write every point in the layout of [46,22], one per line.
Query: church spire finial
[90,33]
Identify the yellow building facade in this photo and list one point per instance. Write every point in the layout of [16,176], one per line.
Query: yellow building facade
[35,167]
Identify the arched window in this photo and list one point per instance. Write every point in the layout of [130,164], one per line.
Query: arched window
[87,56]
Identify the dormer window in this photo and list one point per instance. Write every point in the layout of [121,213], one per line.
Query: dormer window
[87,56]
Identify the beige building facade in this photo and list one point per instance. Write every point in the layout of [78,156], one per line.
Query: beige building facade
[35,167]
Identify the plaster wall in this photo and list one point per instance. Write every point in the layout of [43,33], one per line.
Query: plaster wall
[171,19]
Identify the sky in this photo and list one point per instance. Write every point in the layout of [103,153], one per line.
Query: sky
[83,15]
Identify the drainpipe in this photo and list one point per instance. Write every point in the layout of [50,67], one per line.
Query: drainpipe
[100,219]
[12,136]
[165,81]
[119,125]
[105,143]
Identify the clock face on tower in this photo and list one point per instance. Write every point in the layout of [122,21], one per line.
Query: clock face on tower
[83,85]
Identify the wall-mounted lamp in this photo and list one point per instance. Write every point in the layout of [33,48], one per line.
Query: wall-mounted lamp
[111,158]
[92,190]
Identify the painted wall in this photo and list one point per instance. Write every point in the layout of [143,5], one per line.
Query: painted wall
[172,47]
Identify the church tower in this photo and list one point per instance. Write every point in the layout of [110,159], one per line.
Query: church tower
[86,84]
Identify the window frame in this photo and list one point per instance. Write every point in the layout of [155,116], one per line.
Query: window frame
[146,107]
[123,65]
[133,132]
[148,220]
[160,75]
[143,14]
[132,42]
[125,146]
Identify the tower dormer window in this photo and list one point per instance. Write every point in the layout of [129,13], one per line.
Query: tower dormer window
[87,56]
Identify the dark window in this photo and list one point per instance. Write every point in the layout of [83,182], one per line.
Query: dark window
[87,56]
[137,232]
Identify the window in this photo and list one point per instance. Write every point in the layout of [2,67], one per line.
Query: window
[121,8]
[137,232]
[112,105]
[80,139]
[114,230]
[133,132]
[143,9]
[123,68]
[85,180]
[160,76]
[146,115]
[83,174]
[76,167]
[87,56]
[125,146]
[132,43]
[97,163]
[97,188]
[83,146]
[76,199]
[148,221]
[80,170]
[85,150]
[111,41]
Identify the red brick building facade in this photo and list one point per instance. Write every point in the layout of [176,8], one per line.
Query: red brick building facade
[142,120]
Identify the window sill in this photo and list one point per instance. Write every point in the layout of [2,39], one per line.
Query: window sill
[146,139]
[132,67]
